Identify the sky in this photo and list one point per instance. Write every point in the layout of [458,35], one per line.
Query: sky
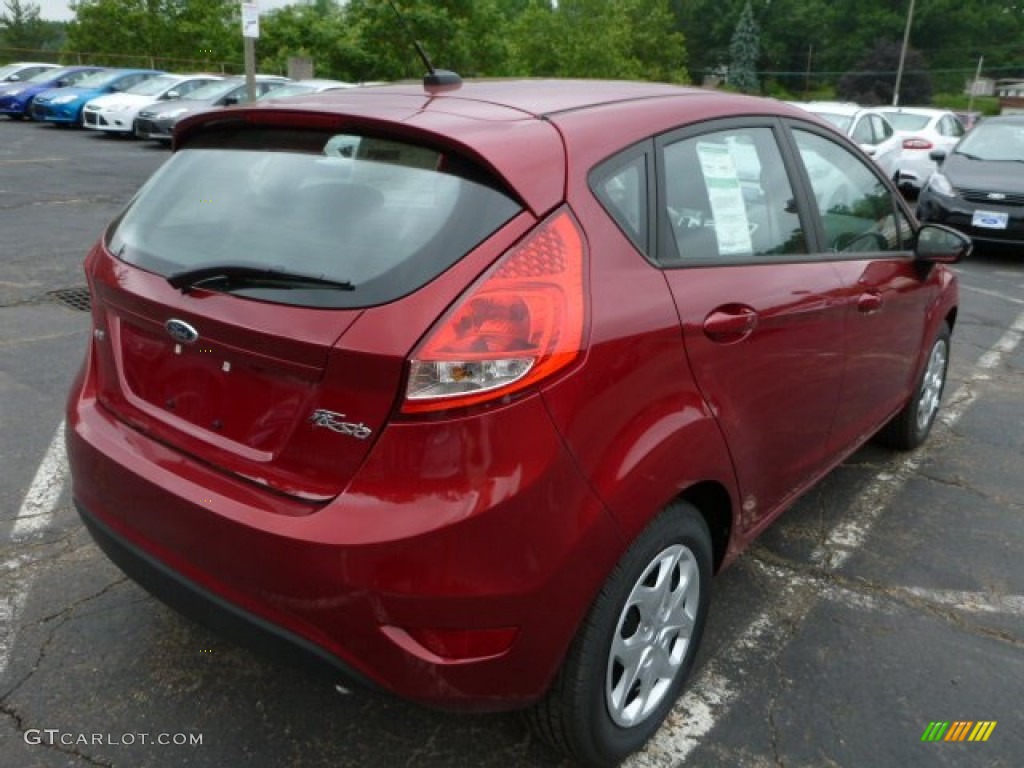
[58,10]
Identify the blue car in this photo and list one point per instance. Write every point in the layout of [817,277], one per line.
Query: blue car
[63,106]
[16,98]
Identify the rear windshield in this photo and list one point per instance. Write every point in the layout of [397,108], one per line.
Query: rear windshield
[905,121]
[382,216]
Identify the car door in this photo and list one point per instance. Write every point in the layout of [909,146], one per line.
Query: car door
[762,317]
[867,236]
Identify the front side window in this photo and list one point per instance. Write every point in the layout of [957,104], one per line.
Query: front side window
[728,198]
[857,209]
[379,223]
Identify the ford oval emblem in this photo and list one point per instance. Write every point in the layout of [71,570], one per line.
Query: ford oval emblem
[181,331]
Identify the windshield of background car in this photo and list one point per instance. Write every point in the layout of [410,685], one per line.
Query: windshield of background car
[50,74]
[842,122]
[99,80]
[154,86]
[903,121]
[213,91]
[295,89]
[387,217]
[994,141]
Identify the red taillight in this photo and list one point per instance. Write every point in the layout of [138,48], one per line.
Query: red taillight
[519,324]
[917,143]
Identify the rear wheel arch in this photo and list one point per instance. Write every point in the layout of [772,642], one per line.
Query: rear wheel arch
[951,319]
[713,502]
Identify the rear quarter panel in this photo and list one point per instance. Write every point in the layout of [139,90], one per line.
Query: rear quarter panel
[632,414]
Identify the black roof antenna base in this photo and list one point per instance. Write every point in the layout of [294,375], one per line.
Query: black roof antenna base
[441,78]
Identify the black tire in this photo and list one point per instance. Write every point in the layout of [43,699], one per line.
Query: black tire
[592,713]
[911,426]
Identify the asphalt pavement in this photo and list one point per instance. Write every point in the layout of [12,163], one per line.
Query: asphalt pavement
[888,599]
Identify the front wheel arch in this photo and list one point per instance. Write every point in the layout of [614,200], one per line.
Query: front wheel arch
[911,426]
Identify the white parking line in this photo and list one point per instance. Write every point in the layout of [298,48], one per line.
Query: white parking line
[713,691]
[847,537]
[33,517]
[44,493]
[993,294]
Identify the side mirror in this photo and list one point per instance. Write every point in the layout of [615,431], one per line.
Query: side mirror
[939,244]
[937,155]
[230,100]
[171,96]
[14,79]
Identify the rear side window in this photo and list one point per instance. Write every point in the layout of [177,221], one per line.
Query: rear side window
[622,190]
[383,215]
[728,198]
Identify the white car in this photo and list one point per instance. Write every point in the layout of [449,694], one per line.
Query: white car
[302,87]
[866,126]
[922,130]
[20,71]
[116,112]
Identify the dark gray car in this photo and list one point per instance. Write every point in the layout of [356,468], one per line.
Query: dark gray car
[157,122]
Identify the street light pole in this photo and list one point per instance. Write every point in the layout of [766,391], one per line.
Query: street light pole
[903,55]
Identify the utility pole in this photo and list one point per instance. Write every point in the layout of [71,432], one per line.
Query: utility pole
[974,84]
[903,55]
[250,31]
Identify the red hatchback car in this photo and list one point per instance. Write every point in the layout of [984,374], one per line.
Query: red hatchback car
[466,392]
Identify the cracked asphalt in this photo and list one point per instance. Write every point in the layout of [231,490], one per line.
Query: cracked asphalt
[819,651]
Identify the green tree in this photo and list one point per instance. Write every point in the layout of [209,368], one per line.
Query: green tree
[21,27]
[744,52]
[319,31]
[173,33]
[462,35]
[632,39]
[873,80]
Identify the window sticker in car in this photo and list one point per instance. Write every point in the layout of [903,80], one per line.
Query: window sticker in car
[726,198]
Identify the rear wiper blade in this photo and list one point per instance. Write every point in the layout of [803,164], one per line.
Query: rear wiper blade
[191,278]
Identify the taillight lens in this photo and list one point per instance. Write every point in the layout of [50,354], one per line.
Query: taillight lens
[917,144]
[520,323]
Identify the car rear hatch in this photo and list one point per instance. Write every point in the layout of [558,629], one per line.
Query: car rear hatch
[225,294]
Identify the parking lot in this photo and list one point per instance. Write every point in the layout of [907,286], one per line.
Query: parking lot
[890,598]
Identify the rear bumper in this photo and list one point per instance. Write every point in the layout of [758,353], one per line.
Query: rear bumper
[421,543]
[215,613]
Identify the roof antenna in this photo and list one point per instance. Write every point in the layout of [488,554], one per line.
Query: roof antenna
[434,77]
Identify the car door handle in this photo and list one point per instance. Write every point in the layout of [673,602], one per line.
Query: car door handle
[730,323]
[869,302]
